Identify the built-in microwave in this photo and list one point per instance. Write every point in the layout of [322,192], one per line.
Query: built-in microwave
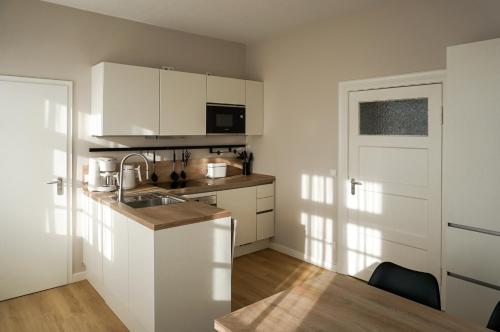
[225,119]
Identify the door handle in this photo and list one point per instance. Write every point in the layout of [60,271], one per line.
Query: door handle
[60,188]
[354,183]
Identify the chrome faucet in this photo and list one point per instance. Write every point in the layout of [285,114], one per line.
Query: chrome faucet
[120,190]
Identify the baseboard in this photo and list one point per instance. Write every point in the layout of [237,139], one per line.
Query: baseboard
[299,255]
[79,276]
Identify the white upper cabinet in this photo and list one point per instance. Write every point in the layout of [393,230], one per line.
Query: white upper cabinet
[254,108]
[224,90]
[183,98]
[125,99]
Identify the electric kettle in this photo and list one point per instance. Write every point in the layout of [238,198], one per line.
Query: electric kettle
[130,175]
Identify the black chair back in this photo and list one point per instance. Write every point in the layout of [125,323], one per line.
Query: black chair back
[494,323]
[417,286]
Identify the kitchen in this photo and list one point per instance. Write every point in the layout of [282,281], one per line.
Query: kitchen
[184,171]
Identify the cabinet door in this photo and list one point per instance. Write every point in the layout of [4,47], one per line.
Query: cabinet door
[243,205]
[125,99]
[141,276]
[254,108]
[182,103]
[115,259]
[471,138]
[265,225]
[224,90]
[93,243]
[469,300]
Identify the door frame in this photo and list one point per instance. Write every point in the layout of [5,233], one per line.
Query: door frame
[70,277]
[346,87]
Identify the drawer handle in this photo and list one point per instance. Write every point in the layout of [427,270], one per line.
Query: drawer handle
[474,229]
[474,281]
[265,211]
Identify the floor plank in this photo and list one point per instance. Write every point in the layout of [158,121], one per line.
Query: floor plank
[74,307]
[78,307]
[265,273]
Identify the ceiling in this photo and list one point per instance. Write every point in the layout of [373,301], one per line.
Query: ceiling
[243,21]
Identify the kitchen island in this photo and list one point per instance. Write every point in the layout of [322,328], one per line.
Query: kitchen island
[162,268]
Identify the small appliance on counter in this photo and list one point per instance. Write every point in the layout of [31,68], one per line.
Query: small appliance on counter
[102,175]
[216,170]
[131,174]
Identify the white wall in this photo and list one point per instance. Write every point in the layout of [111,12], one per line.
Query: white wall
[39,39]
[302,70]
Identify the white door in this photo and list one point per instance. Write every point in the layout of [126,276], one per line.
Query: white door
[394,189]
[34,230]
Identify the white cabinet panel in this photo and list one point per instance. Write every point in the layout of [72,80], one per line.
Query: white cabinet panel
[142,275]
[115,259]
[193,275]
[470,301]
[224,90]
[472,135]
[265,190]
[125,99]
[473,255]
[265,225]
[183,103]
[242,203]
[93,243]
[265,204]
[254,109]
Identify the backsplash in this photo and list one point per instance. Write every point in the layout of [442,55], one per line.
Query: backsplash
[196,168]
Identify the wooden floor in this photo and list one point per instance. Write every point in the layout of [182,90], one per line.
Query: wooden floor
[74,307]
[78,307]
[267,272]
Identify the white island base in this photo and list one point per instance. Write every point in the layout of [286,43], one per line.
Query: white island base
[174,279]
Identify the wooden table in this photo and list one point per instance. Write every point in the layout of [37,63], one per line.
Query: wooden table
[335,302]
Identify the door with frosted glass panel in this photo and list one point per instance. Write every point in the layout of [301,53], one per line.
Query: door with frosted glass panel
[394,191]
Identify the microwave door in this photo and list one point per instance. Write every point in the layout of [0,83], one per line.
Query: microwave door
[225,119]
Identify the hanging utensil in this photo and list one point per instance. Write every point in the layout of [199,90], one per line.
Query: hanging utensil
[154,176]
[187,155]
[174,176]
[183,173]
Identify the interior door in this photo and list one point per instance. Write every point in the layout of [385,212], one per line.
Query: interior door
[34,215]
[394,189]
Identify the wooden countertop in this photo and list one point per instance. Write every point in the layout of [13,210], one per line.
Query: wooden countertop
[173,215]
[335,302]
[232,182]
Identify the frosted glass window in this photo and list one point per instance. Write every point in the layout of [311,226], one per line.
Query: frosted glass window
[394,117]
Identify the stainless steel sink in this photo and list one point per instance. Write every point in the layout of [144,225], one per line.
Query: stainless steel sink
[150,199]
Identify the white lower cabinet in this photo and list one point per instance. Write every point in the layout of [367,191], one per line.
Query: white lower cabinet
[242,203]
[175,279]
[115,264]
[470,301]
[265,225]
[141,276]
[253,208]
[92,244]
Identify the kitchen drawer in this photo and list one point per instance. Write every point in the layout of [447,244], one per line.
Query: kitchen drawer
[265,204]
[266,190]
[473,254]
[469,300]
[265,225]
